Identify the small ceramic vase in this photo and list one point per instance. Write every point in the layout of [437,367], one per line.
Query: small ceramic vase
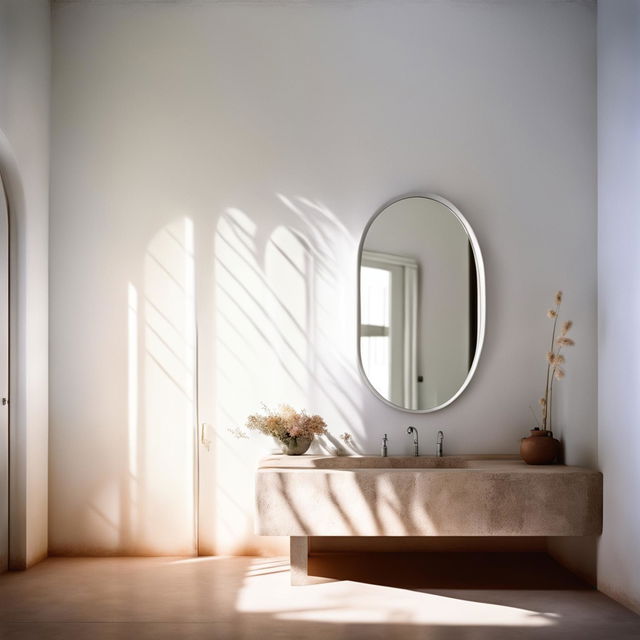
[540,447]
[295,446]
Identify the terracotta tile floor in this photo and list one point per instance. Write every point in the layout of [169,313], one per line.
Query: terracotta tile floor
[246,598]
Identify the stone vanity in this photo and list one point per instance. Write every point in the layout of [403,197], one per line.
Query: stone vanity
[471,495]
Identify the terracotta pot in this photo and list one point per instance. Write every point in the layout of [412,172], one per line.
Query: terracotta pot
[539,448]
[295,446]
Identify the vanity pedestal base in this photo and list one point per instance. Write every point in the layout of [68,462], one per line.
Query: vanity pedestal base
[299,561]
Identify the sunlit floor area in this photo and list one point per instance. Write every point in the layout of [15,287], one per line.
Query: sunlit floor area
[221,598]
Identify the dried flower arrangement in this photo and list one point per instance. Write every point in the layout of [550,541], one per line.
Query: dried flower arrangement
[555,360]
[287,424]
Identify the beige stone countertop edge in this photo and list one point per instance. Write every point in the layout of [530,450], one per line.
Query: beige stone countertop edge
[479,463]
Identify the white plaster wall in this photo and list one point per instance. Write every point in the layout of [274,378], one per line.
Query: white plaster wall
[25,67]
[278,129]
[619,296]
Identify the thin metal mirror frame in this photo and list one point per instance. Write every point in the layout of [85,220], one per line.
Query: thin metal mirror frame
[481,296]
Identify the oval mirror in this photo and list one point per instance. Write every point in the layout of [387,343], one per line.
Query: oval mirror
[421,303]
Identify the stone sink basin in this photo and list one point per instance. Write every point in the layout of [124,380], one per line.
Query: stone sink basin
[372,462]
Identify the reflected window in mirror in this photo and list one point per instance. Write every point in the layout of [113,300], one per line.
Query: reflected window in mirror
[388,327]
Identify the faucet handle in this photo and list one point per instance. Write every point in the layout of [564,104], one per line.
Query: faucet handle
[413,430]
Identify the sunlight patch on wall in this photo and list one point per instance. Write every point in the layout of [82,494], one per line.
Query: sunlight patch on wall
[245,358]
[165,449]
[277,292]
[337,385]
[288,265]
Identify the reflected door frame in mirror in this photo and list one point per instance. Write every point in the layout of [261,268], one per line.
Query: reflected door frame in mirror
[405,270]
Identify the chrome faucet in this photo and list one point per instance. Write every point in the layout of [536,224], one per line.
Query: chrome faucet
[413,430]
[439,443]
[383,452]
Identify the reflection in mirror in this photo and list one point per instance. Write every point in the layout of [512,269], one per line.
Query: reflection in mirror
[421,303]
